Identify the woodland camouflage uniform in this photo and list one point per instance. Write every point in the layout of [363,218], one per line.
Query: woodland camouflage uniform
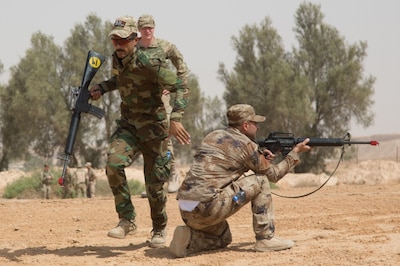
[143,127]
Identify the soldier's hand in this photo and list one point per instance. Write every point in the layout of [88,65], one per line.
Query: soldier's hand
[268,155]
[302,146]
[95,92]
[176,129]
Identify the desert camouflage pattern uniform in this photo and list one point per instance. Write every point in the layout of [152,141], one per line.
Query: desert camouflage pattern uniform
[68,186]
[143,127]
[46,179]
[216,175]
[91,189]
[80,178]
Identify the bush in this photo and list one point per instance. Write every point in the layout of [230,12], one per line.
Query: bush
[31,187]
[23,186]
[103,189]
[136,187]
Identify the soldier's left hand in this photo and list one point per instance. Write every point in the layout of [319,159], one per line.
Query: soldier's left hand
[176,129]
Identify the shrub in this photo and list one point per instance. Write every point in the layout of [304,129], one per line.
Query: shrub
[23,186]
[30,187]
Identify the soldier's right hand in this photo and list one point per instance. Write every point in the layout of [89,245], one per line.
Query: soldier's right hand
[95,92]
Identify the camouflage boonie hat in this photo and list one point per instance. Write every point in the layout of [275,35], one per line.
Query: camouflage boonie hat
[124,27]
[239,113]
[146,21]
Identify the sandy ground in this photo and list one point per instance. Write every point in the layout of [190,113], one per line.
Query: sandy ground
[355,220]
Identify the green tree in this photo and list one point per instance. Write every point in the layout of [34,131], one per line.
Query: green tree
[31,103]
[3,158]
[262,76]
[202,115]
[333,74]
[35,105]
[314,91]
[214,114]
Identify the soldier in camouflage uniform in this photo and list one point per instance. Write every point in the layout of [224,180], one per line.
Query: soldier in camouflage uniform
[91,189]
[160,48]
[217,175]
[68,186]
[47,180]
[140,78]
[81,180]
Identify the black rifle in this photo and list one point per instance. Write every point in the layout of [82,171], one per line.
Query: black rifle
[285,142]
[93,63]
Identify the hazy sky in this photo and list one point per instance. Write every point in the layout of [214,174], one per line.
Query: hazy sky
[202,31]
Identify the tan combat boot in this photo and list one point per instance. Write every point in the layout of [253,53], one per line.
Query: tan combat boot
[180,242]
[158,238]
[273,244]
[123,228]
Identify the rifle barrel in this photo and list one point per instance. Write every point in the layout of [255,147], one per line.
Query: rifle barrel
[328,142]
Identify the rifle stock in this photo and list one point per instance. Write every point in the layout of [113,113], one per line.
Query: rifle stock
[93,63]
[285,142]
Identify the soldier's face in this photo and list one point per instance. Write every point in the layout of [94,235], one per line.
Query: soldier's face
[147,33]
[250,128]
[123,46]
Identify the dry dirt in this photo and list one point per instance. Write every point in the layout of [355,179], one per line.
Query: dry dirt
[354,220]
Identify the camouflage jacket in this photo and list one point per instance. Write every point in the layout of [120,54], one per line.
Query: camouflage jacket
[92,175]
[140,79]
[80,177]
[224,156]
[167,51]
[47,177]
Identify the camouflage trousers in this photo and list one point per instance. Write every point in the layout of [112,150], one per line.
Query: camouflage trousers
[124,147]
[46,191]
[68,191]
[81,190]
[91,189]
[208,221]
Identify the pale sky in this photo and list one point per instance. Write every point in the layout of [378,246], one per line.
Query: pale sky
[202,31]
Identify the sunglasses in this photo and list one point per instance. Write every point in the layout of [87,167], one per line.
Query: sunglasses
[121,41]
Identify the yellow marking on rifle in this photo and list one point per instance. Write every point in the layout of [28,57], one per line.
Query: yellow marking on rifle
[94,62]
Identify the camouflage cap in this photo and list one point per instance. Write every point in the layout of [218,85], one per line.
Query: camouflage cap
[239,113]
[124,27]
[146,21]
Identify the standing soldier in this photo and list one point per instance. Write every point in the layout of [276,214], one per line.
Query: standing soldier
[68,185]
[166,50]
[141,76]
[47,179]
[81,182]
[92,180]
